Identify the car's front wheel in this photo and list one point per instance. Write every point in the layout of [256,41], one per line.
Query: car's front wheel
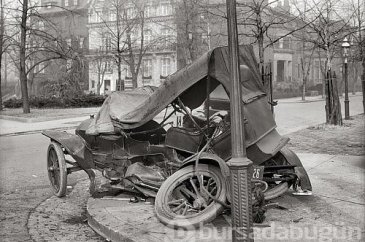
[189,197]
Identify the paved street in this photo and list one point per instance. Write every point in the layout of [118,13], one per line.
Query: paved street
[24,183]
[292,116]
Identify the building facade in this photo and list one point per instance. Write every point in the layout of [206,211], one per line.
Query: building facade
[66,21]
[132,43]
[130,36]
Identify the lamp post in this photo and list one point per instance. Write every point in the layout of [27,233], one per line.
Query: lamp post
[345,47]
[240,166]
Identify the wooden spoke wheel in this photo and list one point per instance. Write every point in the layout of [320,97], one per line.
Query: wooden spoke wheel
[57,170]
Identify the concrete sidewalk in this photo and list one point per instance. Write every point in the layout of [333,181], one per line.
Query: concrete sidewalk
[9,127]
[335,211]
[317,98]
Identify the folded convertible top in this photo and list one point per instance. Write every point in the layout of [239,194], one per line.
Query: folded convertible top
[131,109]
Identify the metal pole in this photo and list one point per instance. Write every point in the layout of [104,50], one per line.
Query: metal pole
[240,166]
[347,108]
[271,90]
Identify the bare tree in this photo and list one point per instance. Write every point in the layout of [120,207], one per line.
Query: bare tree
[2,47]
[264,24]
[99,64]
[327,33]
[190,22]
[356,12]
[306,59]
[122,28]
[36,44]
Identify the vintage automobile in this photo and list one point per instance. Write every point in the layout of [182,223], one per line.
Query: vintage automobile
[168,142]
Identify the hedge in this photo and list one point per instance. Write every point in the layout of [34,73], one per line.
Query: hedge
[89,100]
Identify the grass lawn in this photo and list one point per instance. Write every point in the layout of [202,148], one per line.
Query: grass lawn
[50,113]
[347,139]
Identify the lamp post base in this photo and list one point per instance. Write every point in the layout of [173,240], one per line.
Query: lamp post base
[241,198]
[347,109]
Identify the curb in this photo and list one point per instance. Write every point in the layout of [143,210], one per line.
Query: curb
[35,120]
[18,119]
[100,227]
[300,101]
[36,131]
[285,100]
[104,231]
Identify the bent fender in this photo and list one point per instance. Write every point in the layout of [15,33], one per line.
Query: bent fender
[74,145]
[294,160]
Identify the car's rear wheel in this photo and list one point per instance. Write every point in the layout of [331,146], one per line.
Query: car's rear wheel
[57,170]
[279,180]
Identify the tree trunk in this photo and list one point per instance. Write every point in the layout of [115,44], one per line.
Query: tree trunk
[98,84]
[363,82]
[304,87]
[121,83]
[22,71]
[333,106]
[1,51]
[1,96]
[261,52]
[5,63]
[135,81]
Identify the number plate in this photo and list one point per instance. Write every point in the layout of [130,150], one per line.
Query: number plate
[258,172]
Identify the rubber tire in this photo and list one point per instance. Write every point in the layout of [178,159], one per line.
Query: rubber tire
[211,212]
[61,192]
[278,190]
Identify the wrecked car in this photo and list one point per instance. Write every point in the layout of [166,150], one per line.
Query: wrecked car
[170,144]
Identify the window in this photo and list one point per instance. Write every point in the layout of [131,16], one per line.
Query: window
[97,16]
[165,33]
[92,84]
[112,16]
[131,12]
[286,43]
[76,2]
[67,3]
[165,66]
[128,79]
[165,9]
[128,74]
[106,16]
[148,11]
[147,68]
[108,67]
[147,37]
[119,85]
[281,43]
[92,16]
[106,42]
[81,44]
